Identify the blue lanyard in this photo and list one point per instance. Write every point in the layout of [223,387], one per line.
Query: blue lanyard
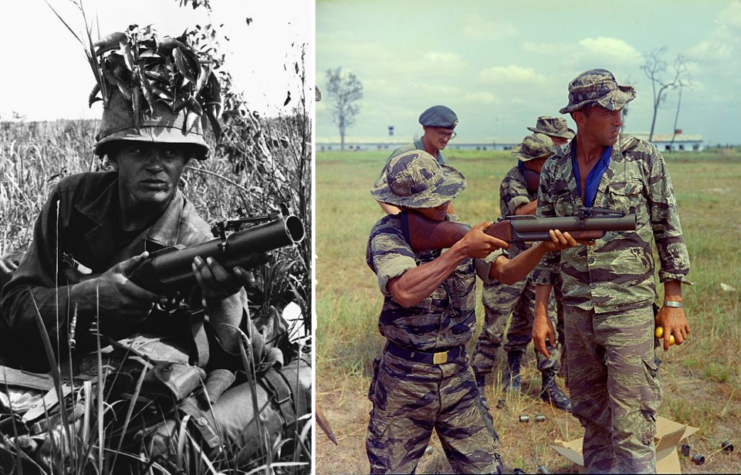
[594,177]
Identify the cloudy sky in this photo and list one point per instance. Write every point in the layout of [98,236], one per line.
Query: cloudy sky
[46,75]
[502,64]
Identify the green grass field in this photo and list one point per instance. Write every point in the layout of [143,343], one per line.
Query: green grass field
[701,379]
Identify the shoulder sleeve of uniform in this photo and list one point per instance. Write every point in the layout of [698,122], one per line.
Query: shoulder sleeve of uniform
[513,192]
[388,254]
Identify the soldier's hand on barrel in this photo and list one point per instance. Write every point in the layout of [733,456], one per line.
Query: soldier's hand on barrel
[215,281]
[476,243]
[115,295]
[560,241]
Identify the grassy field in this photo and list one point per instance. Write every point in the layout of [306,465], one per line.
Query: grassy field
[701,379]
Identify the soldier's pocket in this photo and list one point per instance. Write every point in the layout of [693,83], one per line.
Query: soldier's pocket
[651,391]
[377,425]
[627,198]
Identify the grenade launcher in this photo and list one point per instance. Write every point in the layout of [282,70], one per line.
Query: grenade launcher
[589,224]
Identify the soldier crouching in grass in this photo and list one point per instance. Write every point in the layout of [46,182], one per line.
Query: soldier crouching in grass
[93,231]
[609,289]
[422,381]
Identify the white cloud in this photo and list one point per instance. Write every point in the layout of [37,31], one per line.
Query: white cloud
[434,57]
[511,74]
[480,98]
[587,53]
[476,27]
[611,50]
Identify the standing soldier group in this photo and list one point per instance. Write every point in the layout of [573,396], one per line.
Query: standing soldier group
[599,294]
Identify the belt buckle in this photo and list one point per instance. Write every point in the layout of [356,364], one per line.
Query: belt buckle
[440,358]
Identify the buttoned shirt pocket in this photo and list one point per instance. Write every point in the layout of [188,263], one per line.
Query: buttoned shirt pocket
[627,196]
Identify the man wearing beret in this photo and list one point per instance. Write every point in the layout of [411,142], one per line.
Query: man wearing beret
[518,196]
[422,380]
[609,289]
[438,123]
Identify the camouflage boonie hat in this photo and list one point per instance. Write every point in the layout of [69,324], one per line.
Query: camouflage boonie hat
[534,146]
[554,127]
[161,126]
[597,87]
[415,179]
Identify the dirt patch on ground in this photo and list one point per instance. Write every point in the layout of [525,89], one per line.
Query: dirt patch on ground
[527,445]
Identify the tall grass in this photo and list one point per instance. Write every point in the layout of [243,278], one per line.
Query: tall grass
[702,380]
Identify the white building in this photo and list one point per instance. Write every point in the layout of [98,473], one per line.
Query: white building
[664,142]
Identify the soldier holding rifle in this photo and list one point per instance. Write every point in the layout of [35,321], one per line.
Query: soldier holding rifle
[422,381]
[96,229]
[609,289]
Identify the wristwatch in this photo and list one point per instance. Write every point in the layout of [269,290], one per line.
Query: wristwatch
[673,304]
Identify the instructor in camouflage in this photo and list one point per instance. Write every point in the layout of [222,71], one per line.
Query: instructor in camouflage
[422,381]
[609,289]
[518,196]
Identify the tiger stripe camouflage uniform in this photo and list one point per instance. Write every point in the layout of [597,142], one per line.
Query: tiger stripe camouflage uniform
[608,293]
[501,300]
[411,399]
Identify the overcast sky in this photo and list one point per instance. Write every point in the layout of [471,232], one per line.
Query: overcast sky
[500,65]
[46,75]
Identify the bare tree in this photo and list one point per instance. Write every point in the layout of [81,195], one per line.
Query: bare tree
[655,69]
[345,90]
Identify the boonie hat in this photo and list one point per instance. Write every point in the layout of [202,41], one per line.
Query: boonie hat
[534,146]
[415,179]
[597,87]
[439,116]
[554,127]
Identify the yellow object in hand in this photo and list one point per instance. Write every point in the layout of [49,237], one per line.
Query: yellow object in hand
[660,333]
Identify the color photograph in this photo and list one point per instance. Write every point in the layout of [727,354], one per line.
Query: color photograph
[590,328]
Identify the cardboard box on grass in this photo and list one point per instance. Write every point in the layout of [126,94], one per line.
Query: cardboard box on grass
[668,435]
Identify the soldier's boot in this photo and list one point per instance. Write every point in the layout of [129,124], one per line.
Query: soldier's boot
[512,375]
[481,383]
[551,393]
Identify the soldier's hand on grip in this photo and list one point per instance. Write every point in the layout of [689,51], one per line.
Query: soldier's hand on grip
[478,244]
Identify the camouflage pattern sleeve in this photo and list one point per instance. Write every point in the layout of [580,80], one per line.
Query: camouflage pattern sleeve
[664,215]
[546,272]
[513,192]
[483,266]
[388,254]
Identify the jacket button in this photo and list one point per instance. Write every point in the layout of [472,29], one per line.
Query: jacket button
[591,260]
[201,421]
[592,286]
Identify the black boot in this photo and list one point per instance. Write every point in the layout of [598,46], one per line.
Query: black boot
[512,375]
[551,394]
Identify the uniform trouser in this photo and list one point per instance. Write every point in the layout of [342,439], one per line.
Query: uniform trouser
[410,400]
[501,300]
[614,387]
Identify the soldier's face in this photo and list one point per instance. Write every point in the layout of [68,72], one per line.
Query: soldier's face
[438,137]
[558,140]
[535,165]
[438,213]
[601,125]
[149,172]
